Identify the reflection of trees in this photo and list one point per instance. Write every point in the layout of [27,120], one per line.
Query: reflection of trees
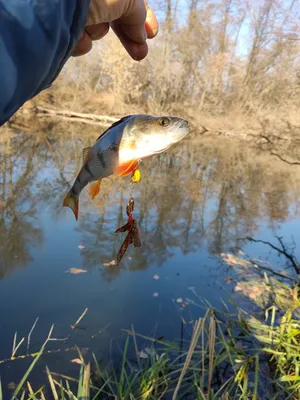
[18,230]
[190,194]
[195,193]
[32,177]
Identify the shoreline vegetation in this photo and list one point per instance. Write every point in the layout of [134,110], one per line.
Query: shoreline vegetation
[223,355]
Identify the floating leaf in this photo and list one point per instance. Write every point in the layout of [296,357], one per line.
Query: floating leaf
[155,294]
[112,262]
[236,262]
[258,260]
[283,272]
[155,276]
[76,271]
[76,361]
[142,354]
[250,289]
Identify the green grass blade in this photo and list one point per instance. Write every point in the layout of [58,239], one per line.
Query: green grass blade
[80,389]
[256,377]
[83,385]
[52,385]
[289,378]
[62,393]
[123,372]
[21,383]
[33,395]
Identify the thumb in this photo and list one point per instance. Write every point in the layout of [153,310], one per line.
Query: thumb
[132,23]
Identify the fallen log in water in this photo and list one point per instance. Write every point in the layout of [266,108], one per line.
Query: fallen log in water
[104,120]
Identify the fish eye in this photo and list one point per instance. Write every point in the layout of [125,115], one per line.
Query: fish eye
[164,121]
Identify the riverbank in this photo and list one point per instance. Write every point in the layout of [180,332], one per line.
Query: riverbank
[257,129]
[277,137]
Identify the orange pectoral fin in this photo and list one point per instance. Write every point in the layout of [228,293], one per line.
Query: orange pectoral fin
[94,189]
[126,168]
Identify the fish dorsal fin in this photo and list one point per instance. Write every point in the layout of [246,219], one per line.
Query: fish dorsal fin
[120,121]
[85,154]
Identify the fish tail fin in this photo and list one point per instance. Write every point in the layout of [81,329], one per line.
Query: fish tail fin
[72,201]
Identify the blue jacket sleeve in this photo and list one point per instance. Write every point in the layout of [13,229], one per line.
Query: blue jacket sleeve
[36,39]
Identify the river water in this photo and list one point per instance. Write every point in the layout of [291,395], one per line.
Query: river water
[194,202]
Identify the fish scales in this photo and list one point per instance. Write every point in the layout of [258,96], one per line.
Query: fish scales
[119,149]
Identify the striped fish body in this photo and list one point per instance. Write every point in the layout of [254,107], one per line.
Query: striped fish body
[100,160]
[119,149]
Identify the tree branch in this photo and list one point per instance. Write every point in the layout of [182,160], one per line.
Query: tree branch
[281,251]
[284,160]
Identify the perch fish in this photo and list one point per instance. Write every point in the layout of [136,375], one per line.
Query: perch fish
[119,150]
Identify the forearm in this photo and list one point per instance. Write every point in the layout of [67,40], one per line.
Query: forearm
[36,39]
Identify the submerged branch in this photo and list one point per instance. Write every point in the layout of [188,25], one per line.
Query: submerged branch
[271,271]
[281,251]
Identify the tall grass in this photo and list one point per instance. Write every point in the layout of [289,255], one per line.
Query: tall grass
[227,357]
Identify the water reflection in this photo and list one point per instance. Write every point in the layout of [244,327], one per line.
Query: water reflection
[199,191]
[19,227]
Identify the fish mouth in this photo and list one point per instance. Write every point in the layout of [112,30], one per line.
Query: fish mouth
[184,124]
[182,131]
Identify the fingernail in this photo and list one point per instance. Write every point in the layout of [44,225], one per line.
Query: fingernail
[155,30]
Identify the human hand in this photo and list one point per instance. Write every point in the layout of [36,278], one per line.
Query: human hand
[131,20]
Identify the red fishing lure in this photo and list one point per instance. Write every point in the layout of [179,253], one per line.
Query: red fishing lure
[133,236]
